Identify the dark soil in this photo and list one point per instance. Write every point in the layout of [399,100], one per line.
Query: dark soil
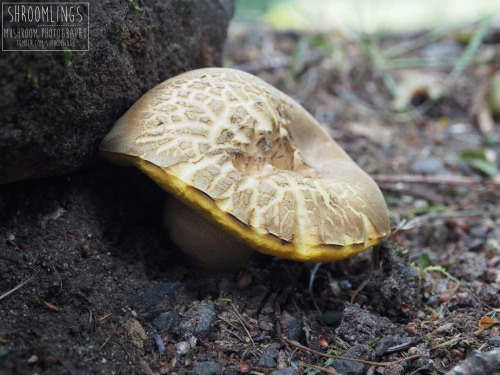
[108,293]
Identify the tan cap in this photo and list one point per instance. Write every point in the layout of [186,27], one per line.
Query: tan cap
[253,161]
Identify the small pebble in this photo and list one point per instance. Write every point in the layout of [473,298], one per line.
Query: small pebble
[268,357]
[294,326]
[384,344]
[495,340]
[432,301]
[182,347]
[164,321]
[332,317]
[207,368]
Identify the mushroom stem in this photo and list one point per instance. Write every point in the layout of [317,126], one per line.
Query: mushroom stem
[204,243]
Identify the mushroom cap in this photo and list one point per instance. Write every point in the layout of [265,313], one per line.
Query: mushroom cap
[253,161]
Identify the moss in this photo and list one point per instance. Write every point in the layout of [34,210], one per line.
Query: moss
[66,55]
[32,79]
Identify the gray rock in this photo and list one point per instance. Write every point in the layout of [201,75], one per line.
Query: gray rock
[294,326]
[268,357]
[204,318]
[164,321]
[207,368]
[495,340]
[285,371]
[332,317]
[384,344]
[195,322]
[56,107]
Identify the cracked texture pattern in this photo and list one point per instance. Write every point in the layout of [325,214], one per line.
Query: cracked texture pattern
[236,139]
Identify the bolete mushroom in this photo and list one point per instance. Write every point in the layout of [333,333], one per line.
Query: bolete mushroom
[255,164]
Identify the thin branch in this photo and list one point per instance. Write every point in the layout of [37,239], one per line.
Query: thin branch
[18,286]
[296,344]
[242,321]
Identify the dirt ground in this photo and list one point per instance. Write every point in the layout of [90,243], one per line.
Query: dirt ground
[105,292]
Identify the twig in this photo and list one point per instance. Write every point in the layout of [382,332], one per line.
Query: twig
[109,337]
[19,286]
[241,320]
[444,180]
[296,344]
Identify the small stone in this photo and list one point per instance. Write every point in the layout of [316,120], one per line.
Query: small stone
[476,245]
[268,357]
[332,317]
[477,231]
[164,321]
[205,316]
[207,368]
[384,344]
[432,301]
[32,359]
[182,347]
[294,326]
[495,340]
[428,166]
[285,371]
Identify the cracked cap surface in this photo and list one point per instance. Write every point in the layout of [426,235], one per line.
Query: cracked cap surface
[253,161]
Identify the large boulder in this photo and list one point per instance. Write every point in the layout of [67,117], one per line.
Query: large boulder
[55,107]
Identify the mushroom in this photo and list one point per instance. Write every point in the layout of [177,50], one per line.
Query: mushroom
[247,160]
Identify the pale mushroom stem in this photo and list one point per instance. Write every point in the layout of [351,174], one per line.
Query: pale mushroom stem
[204,243]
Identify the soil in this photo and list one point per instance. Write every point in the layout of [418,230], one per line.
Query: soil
[105,292]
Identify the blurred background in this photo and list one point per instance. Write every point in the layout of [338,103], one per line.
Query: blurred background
[363,15]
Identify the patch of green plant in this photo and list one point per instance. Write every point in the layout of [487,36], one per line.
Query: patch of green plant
[402,251]
[136,7]
[422,209]
[478,160]
[371,344]
[32,79]
[191,353]
[470,344]
[424,261]
[66,55]
[3,353]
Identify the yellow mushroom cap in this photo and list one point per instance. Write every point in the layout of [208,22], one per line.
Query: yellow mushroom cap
[254,162]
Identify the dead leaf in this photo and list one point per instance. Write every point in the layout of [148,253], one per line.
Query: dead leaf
[412,83]
[51,306]
[3,340]
[484,323]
